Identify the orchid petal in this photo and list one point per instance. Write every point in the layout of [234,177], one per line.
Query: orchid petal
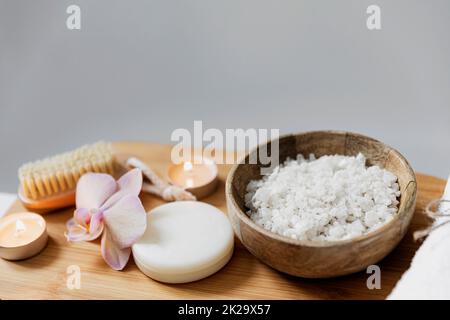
[76,232]
[129,183]
[93,189]
[82,217]
[126,221]
[96,226]
[114,256]
[96,222]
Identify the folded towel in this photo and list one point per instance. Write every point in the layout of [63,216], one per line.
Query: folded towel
[429,274]
[6,200]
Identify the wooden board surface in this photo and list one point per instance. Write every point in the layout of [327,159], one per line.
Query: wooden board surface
[45,276]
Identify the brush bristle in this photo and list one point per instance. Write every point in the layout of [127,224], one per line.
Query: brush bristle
[60,173]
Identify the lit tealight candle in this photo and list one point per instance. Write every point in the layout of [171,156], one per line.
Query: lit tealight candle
[198,177]
[22,235]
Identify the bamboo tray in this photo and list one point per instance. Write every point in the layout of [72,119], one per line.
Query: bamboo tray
[45,276]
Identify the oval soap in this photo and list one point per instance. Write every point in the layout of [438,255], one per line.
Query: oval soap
[185,241]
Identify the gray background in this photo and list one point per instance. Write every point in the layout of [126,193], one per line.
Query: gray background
[140,69]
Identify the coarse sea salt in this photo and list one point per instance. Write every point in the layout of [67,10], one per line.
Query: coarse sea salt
[330,198]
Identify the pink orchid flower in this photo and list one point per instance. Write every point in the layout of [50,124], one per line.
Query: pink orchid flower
[104,205]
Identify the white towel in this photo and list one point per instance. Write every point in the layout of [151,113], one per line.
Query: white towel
[429,274]
[6,200]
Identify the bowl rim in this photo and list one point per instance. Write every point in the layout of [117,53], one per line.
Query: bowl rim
[316,243]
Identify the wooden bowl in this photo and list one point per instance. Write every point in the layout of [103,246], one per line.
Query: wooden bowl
[322,259]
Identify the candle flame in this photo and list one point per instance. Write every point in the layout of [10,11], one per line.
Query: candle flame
[187,166]
[20,226]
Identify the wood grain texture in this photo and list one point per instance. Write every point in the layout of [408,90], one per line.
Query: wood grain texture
[244,277]
[322,259]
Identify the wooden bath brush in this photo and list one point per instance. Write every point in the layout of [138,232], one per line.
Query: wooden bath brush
[49,184]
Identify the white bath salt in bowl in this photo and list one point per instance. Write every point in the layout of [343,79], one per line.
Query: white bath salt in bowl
[330,198]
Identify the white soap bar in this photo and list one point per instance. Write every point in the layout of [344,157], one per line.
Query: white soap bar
[185,241]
